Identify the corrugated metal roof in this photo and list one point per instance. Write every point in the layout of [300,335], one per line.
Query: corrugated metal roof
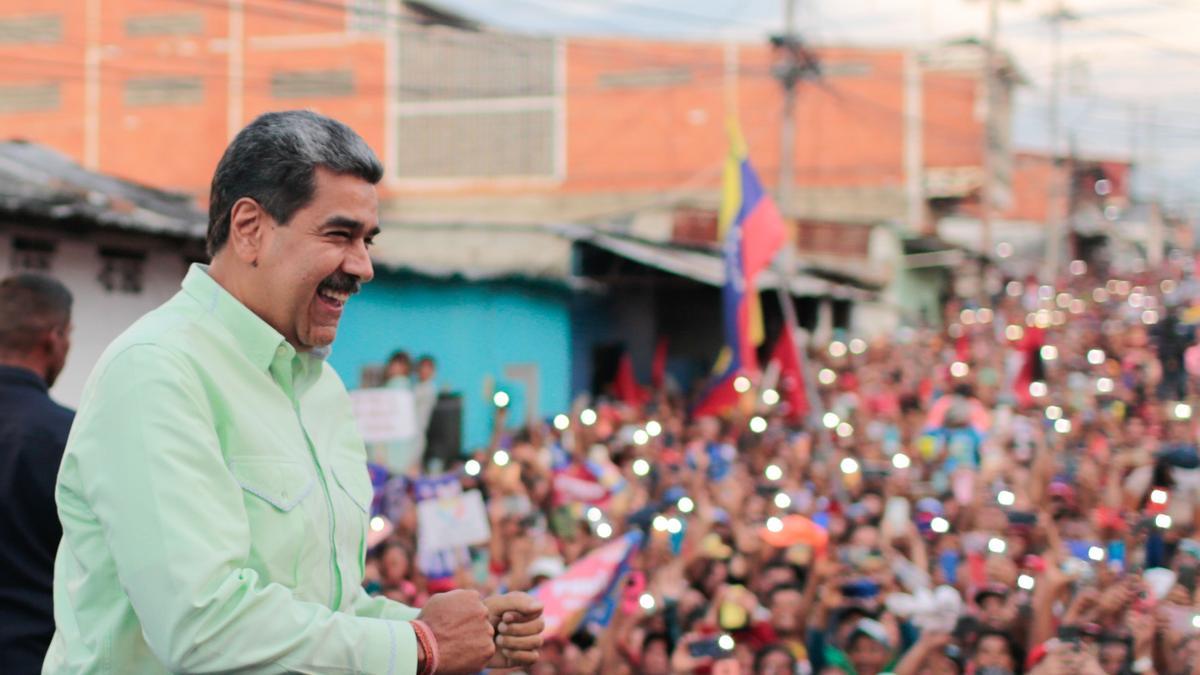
[42,184]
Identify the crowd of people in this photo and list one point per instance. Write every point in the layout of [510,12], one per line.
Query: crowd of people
[1015,492]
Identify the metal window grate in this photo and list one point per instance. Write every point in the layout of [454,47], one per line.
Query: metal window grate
[122,270]
[32,255]
[440,65]
[476,105]
[17,98]
[155,25]
[147,91]
[477,144]
[38,28]
[312,83]
[367,16]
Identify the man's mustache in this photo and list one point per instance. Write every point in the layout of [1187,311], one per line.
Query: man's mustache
[340,282]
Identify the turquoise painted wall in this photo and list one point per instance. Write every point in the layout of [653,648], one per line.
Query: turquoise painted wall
[473,330]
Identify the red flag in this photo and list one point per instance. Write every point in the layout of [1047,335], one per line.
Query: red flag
[658,368]
[627,387]
[791,375]
[1032,368]
[720,397]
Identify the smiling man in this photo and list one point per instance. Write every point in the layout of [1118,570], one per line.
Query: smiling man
[214,495]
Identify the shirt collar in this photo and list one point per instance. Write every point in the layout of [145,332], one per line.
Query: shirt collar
[22,376]
[261,343]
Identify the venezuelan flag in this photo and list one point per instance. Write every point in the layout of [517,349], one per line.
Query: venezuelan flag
[753,231]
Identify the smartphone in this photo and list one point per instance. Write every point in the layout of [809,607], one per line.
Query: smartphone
[1187,578]
[1116,555]
[862,588]
[708,648]
[1022,518]
[948,561]
[874,473]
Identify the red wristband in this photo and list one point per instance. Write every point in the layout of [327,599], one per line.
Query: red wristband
[428,644]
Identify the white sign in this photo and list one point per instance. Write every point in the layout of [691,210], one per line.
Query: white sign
[451,522]
[384,415]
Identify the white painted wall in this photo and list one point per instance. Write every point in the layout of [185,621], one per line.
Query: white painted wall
[99,315]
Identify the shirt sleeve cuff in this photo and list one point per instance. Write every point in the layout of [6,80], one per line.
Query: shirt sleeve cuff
[393,649]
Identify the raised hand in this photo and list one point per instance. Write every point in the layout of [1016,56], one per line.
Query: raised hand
[519,625]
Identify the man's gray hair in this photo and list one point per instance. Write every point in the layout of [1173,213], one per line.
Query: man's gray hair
[274,160]
[30,306]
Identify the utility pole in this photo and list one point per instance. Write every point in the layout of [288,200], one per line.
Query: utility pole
[1056,183]
[789,77]
[797,65]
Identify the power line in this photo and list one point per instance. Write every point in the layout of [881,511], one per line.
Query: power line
[666,12]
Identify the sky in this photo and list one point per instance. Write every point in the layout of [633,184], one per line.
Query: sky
[1130,68]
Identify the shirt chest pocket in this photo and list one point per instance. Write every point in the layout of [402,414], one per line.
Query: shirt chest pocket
[352,502]
[275,494]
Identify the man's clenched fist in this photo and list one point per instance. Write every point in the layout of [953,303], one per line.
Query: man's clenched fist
[465,636]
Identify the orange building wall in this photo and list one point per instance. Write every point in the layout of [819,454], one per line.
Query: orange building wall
[40,63]
[848,131]
[849,125]
[363,111]
[177,145]
[172,145]
[642,138]
[1031,179]
[953,126]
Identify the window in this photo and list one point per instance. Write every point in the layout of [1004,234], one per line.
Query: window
[694,226]
[477,105]
[439,64]
[312,83]
[19,98]
[477,143]
[35,29]
[646,78]
[158,25]
[830,238]
[32,255]
[367,16]
[146,91]
[121,270]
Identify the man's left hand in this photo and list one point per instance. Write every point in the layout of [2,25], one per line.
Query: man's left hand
[518,621]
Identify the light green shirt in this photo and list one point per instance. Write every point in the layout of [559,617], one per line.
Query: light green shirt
[214,499]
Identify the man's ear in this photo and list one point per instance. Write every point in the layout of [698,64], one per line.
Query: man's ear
[249,223]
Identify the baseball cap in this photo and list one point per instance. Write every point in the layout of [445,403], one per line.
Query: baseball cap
[997,590]
[872,629]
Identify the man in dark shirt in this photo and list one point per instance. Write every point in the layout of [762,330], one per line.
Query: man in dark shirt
[35,335]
